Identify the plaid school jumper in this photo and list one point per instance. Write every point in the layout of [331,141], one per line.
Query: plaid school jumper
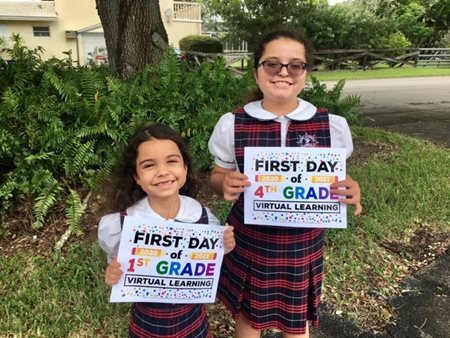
[274,274]
[161,320]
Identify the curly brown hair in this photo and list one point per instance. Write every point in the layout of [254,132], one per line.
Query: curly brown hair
[121,190]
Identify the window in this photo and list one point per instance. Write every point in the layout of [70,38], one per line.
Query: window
[4,35]
[41,31]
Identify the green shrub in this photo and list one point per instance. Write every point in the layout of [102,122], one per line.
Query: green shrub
[318,94]
[201,43]
[61,126]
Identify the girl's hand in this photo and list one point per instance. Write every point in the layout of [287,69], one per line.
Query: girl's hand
[234,184]
[228,239]
[113,273]
[351,194]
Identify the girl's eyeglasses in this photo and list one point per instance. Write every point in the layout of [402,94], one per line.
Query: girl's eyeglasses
[272,67]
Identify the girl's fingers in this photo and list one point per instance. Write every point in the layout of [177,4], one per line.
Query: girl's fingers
[113,272]
[228,239]
[358,209]
[233,185]
[114,263]
[350,191]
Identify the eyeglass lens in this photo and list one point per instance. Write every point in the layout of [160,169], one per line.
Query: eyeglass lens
[274,67]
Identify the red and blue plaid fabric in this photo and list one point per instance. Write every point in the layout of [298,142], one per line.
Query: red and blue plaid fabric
[161,320]
[274,274]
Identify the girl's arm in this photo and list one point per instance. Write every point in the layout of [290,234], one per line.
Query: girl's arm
[351,194]
[228,182]
[109,232]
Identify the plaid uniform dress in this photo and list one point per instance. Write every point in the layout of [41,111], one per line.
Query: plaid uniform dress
[274,274]
[161,320]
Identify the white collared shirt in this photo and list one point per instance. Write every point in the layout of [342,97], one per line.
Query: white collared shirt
[221,143]
[110,229]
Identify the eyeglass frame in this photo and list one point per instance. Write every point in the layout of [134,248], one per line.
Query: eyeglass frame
[283,65]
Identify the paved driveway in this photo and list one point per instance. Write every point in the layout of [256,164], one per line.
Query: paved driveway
[415,106]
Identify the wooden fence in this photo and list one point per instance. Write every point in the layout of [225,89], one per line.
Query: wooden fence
[394,57]
[350,58]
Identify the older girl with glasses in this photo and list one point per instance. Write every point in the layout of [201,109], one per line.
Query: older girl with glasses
[273,278]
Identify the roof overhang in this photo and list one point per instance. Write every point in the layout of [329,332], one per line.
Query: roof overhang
[28,18]
[24,10]
[97,28]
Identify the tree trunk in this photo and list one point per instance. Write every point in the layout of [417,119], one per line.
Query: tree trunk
[134,33]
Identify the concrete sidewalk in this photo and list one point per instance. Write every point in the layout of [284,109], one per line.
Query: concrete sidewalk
[418,107]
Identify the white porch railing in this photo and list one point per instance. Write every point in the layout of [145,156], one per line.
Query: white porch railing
[235,47]
[187,11]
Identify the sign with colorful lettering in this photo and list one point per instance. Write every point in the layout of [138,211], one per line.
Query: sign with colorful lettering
[290,186]
[168,262]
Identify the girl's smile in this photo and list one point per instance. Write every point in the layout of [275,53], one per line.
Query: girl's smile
[165,183]
[282,84]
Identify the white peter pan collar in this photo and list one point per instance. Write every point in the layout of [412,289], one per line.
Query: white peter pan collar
[190,210]
[303,112]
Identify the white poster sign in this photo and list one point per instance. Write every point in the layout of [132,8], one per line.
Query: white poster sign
[290,186]
[168,262]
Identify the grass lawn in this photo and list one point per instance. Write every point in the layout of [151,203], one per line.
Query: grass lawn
[405,187]
[379,73]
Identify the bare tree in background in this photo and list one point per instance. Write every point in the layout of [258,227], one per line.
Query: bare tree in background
[134,33]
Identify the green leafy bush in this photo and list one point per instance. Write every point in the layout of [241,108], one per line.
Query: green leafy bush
[61,126]
[318,94]
[201,43]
